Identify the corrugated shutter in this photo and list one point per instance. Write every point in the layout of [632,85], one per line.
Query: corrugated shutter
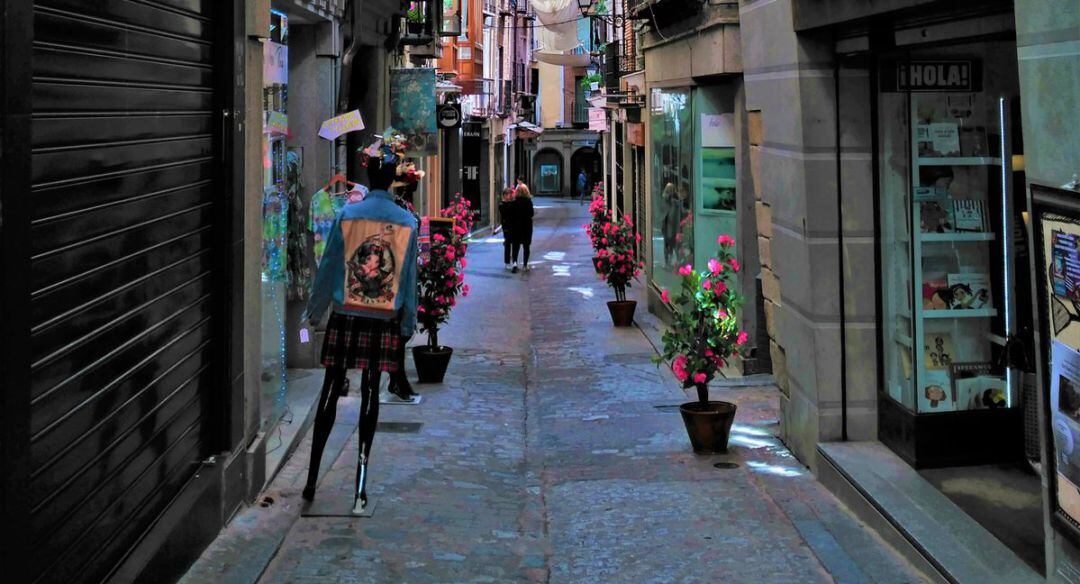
[124,164]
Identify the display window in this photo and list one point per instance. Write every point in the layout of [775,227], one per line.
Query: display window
[946,227]
[671,121]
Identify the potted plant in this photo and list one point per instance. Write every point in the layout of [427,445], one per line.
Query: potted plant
[440,279]
[595,227]
[591,81]
[703,336]
[414,19]
[617,264]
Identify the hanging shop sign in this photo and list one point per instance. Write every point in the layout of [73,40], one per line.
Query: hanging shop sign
[635,134]
[598,119]
[275,63]
[470,163]
[449,116]
[277,123]
[1056,227]
[931,75]
[334,127]
[412,108]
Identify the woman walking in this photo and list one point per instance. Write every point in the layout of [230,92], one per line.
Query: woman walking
[506,219]
[522,221]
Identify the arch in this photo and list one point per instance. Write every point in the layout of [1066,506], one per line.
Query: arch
[588,159]
[548,172]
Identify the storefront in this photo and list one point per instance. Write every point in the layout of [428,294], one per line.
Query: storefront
[898,229]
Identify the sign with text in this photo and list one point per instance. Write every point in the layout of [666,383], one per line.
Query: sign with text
[718,130]
[449,116]
[470,163]
[341,125]
[598,119]
[931,75]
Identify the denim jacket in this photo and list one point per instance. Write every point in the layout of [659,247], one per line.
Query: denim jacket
[369,265]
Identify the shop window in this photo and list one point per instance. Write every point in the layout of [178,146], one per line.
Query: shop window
[671,129]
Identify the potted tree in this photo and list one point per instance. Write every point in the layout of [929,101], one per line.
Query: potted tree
[595,227]
[703,336]
[414,19]
[440,278]
[617,264]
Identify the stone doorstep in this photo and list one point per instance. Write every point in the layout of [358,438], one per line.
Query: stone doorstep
[928,529]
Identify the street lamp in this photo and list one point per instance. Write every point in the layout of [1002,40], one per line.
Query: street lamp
[584,6]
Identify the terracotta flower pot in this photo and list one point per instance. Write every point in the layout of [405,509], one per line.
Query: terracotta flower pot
[622,312]
[431,362]
[708,425]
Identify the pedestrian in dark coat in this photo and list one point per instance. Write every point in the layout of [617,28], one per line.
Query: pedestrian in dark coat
[506,220]
[522,218]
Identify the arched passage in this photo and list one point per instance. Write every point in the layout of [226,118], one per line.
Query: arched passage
[585,159]
[548,172]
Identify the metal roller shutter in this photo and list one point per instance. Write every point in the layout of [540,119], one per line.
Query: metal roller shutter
[123,272]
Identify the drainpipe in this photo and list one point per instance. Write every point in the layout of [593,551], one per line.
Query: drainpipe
[840,254]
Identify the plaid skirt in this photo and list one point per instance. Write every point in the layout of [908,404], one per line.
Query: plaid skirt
[352,341]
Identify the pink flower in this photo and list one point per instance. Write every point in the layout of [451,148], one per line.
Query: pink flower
[707,284]
[603,241]
[725,240]
[678,366]
[686,270]
[719,288]
[453,301]
[438,237]
[715,266]
[734,263]
[599,266]
[465,290]
[463,263]
[721,315]
[708,353]
[450,253]
[741,339]
[665,296]
[450,273]
[699,378]
[421,309]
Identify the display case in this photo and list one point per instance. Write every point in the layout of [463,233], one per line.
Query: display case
[947,302]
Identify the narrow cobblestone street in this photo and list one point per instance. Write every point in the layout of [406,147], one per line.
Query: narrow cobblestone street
[552,453]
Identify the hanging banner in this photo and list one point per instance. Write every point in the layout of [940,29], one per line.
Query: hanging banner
[412,108]
[340,125]
[470,163]
[598,119]
[275,63]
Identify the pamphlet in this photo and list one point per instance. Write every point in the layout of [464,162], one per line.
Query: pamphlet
[945,139]
[969,215]
[936,394]
[938,351]
[969,291]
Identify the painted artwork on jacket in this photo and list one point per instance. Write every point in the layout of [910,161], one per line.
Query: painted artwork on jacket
[375,255]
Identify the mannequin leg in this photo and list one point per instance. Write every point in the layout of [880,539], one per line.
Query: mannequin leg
[399,380]
[324,421]
[369,419]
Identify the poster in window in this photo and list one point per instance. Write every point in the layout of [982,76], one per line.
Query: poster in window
[1056,226]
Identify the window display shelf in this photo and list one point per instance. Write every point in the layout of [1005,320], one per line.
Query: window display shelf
[961,313]
[957,161]
[958,237]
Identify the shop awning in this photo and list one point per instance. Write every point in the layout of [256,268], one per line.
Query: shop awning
[563,59]
[526,129]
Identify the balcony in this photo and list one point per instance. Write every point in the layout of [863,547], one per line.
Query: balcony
[490,7]
[581,112]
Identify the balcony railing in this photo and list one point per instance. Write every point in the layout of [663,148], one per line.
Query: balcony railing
[581,112]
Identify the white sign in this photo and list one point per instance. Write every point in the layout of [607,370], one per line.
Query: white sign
[275,63]
[717,130]
[342,124]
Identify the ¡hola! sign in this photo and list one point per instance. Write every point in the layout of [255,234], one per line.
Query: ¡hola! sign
[931,75]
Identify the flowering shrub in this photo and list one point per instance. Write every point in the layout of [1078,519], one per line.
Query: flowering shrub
[441,275]
[616,261]
[705,332]
[600,215]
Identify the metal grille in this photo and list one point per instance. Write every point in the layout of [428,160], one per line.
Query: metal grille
[124,161]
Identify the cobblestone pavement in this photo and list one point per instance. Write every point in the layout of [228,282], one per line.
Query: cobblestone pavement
[552,454]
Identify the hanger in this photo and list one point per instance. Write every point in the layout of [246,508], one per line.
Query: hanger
[337,179]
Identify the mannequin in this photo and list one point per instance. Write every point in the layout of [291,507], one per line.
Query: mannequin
[369,272]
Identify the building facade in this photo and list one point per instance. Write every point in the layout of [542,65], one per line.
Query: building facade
[893,150]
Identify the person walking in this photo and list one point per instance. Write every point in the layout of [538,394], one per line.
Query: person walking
[506,220]
[521,215]
[582,186]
